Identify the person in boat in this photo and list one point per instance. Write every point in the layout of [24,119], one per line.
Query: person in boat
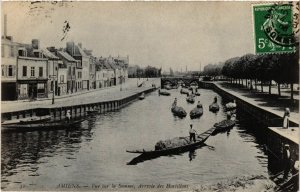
[68,115]
[175,102]
[199,105]
[215,99]
[286,160]
[193,133]
[286,117]
[228,115]
[293,183]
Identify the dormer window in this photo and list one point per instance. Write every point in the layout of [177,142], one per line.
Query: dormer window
[38,54]
[22,52]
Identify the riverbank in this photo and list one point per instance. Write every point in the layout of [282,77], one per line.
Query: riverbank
[101,95]
[106,100]
[269,111]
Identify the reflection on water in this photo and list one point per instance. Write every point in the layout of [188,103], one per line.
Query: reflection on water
[95,151]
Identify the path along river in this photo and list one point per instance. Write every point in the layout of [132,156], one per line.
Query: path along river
[94,152]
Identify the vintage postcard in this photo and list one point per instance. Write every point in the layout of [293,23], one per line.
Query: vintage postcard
[149,96]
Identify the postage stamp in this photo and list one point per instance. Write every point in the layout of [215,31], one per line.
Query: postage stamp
[275,28]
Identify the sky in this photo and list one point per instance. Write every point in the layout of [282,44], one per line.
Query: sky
[160,34]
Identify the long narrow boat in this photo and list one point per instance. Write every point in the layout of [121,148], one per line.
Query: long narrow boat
[142,96]
[199,141]
[27,120]
[43,125]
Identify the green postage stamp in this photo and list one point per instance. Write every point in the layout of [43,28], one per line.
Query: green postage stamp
[275,27]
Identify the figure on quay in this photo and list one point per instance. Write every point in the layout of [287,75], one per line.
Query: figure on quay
[68,115]
[286,117]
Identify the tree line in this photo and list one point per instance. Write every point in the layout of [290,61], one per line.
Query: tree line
[281,68]
[147,72]
[251,70]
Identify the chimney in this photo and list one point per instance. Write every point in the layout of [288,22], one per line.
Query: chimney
[5,26]
[71,48]
[35,43]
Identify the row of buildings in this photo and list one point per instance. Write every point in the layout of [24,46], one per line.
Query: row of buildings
[29,71]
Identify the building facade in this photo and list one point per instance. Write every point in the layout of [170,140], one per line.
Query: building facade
[8,68]
[32,77]
[69,64]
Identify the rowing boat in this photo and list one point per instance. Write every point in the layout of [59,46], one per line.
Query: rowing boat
[178,111]
[142,96]
[27,120]
[190,99]
[43,125]
[214,107]
[191,145]
[163,93]
[196,112]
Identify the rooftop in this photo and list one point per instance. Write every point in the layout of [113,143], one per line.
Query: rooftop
[48,54]
[66,56]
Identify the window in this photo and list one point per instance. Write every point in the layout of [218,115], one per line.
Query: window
[62,78]
[41,88]
[10,70]
[2,69]
[12,54]
[69,70]
[24,71]
[40,71]
[74,71]
[32,72]
[2,51]
[51,86]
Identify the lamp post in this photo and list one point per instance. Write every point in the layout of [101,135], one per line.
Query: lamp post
[53,80]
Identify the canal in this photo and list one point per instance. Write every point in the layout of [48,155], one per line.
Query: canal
[95,151]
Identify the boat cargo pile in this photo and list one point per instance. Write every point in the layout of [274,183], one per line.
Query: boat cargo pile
[196,112]
[171,143]
[178,111]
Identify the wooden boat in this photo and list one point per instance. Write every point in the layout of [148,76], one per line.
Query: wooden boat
[190,99]
[225,124]
[230,106]
[168,87]
[43,125]
[142,96]
[214,107]
[93,111]
[140,85]
[178,111]
[165,93]
[191,145]
[184,91]
[27,120]
[196,112]
[197,94]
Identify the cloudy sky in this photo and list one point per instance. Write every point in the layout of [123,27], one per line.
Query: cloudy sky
[167,34]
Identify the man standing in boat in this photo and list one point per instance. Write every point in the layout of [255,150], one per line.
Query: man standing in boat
[192,133]
[175,102]
[286,160]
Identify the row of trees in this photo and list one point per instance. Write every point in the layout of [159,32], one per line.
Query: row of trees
[147,72]
[212,70]
[281,68]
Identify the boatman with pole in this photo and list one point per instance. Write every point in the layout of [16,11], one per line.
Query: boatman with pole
[192,133]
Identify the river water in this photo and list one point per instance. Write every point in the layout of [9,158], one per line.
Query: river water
[95,151]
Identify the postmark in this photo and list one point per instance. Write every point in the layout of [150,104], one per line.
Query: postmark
[275,27]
